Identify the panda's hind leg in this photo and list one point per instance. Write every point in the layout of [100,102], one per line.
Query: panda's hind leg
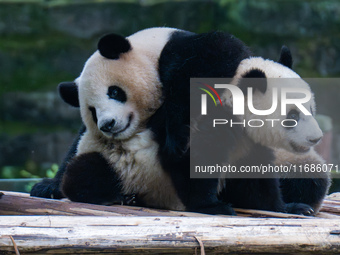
[90,179]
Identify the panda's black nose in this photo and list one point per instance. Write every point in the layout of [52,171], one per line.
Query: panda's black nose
[108,126]
[315,141]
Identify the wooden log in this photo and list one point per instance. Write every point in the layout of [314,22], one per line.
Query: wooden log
[267,214]
[15,203]
[331,208]
[331,204]
[171,235]
[334,196]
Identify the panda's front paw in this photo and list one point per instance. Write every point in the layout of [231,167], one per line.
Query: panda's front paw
[47,188]
[130,199]
[299,208]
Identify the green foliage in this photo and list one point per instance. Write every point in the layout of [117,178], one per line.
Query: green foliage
[28,187]
[31,171]
[51,172]
[25,127]
[37,62]
[54,3]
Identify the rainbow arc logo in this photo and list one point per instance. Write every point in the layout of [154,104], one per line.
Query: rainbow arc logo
[204,98]
[214,91]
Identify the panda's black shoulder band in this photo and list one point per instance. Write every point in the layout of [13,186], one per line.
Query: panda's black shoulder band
[112,45]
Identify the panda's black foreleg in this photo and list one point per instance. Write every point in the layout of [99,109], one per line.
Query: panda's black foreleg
[198,195]
[260,193]
[203,198]
[206,149]
[310,191]
[50,188]
[89,178]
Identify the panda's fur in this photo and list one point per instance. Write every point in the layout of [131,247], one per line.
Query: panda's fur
[128,146]
[296,188]
[300,138]
[186,58]
[145,150]
[291,146]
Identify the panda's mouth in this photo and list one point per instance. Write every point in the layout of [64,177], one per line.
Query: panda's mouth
[125,128]
[299,148]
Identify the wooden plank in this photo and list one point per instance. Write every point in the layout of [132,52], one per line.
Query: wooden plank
[174,235]
[15,203]
[327,215]
[267,214]
[334,196]
[331,204]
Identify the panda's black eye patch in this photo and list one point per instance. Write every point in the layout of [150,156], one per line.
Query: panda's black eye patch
[293,115]
[116,93]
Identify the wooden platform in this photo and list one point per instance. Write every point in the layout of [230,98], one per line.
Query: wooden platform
[39,226]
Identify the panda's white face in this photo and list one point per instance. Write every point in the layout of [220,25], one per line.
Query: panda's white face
[300,138]
[118,94]
[108,109]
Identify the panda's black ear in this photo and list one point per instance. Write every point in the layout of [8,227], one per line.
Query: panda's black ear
[112,45]
[68,91]
[286,57]
[258,81]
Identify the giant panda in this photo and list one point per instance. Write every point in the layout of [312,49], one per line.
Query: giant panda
[133,63]
[122,150]
[133,95]
[292,146]
[185,58]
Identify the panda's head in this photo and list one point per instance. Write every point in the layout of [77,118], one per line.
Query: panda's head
[298,135]
[119,87]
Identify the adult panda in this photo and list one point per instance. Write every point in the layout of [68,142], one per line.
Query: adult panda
[122,150]
[133,96]
[132,61]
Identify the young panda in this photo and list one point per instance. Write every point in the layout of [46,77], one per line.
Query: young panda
[292,144]
[202,56]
